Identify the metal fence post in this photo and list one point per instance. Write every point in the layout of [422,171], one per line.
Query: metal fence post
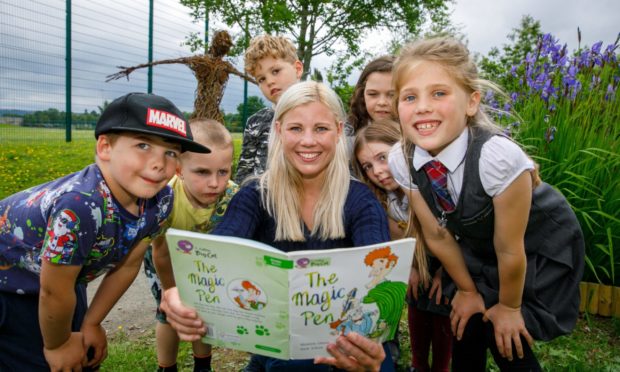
[68,116]
[149,88]
[245,81]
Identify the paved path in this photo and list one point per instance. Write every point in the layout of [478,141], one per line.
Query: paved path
[134,312]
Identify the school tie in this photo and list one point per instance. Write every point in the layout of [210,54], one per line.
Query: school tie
[438,175]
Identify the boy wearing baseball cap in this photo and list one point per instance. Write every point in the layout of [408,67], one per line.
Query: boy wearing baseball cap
[58,236]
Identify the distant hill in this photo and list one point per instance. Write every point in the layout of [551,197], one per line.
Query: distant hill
[14,112]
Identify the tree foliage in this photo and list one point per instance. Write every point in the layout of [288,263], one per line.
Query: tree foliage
[54,118]
[254,104]
[317,26]
[523,40]
[233,120]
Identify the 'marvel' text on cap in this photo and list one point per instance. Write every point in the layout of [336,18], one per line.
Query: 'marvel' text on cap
[166,120]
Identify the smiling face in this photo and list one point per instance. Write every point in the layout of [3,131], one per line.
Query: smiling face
[275,75]
[433,108]
[373,160]
[136,166]
[378,95]
[309,135]
[205,176]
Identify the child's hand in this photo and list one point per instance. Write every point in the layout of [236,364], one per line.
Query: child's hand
[414,282]
[436,287]
[183,319]
[354,352]
[95,338]
[69,356]
[464,305]
[509,325]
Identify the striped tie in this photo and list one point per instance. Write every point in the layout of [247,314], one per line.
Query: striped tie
[438,175]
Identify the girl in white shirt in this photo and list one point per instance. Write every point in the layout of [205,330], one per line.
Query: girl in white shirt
[511,244]
[429,324]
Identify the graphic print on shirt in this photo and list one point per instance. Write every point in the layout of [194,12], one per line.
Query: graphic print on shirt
[61,238]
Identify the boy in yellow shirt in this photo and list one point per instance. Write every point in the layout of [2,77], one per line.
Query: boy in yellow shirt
[202,189]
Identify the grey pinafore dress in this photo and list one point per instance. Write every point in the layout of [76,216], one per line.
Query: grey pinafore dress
[554,246]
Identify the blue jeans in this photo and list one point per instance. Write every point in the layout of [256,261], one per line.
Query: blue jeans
[21,343]
[259,363]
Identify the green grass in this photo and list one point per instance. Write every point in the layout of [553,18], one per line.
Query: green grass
[26,161]
[594,345]
[31,156]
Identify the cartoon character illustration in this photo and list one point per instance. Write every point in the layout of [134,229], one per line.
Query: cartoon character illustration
[353,317]
[383,292]
[5,224]
[108,203]
[33,198]
[248,297]
[61,239]
[131,230]
[31,262]
[164,204]
[382,262]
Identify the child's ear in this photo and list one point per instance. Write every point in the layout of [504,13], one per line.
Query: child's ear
[103,147]
[299,69]
[473,104]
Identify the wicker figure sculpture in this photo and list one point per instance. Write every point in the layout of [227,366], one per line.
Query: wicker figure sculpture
[211,71]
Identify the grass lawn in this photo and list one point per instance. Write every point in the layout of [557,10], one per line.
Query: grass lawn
[32,156]
[593,346]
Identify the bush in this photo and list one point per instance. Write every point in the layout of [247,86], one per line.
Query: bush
[569,113]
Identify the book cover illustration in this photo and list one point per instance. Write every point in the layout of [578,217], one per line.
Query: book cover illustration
[256,298]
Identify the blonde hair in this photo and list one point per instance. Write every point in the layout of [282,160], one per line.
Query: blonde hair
[263,46]
[454,57]
[281,185]
[388,131]
[210,133]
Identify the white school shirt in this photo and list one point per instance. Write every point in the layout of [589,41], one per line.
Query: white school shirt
[397,208]
[501,162]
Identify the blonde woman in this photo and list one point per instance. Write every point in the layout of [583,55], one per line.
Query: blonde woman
[305,200]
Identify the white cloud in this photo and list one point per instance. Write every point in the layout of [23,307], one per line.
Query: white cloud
[486,23]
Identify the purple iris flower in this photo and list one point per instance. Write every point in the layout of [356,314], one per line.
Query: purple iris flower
[611,92]
[550,134]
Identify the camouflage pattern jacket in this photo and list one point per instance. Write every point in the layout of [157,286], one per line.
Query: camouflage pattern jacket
[253,158]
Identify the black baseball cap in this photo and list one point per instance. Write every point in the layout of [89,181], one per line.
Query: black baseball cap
[148,114]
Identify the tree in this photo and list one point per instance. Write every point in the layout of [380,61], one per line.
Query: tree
[254,104]
[316,26]
[523,41]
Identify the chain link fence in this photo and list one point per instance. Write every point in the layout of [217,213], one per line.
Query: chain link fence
[35,84]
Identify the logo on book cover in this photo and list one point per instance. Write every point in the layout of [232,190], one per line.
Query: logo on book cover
[302,262]
[185,246]
[305,262]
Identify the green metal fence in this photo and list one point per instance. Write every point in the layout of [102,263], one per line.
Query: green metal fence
[55,56]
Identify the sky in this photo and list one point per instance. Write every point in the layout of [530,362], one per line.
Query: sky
[486,23]
[105,36]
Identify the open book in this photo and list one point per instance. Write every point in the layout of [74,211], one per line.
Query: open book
[256,298]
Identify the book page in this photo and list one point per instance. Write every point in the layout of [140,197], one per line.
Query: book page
[336,291]
[239,288]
